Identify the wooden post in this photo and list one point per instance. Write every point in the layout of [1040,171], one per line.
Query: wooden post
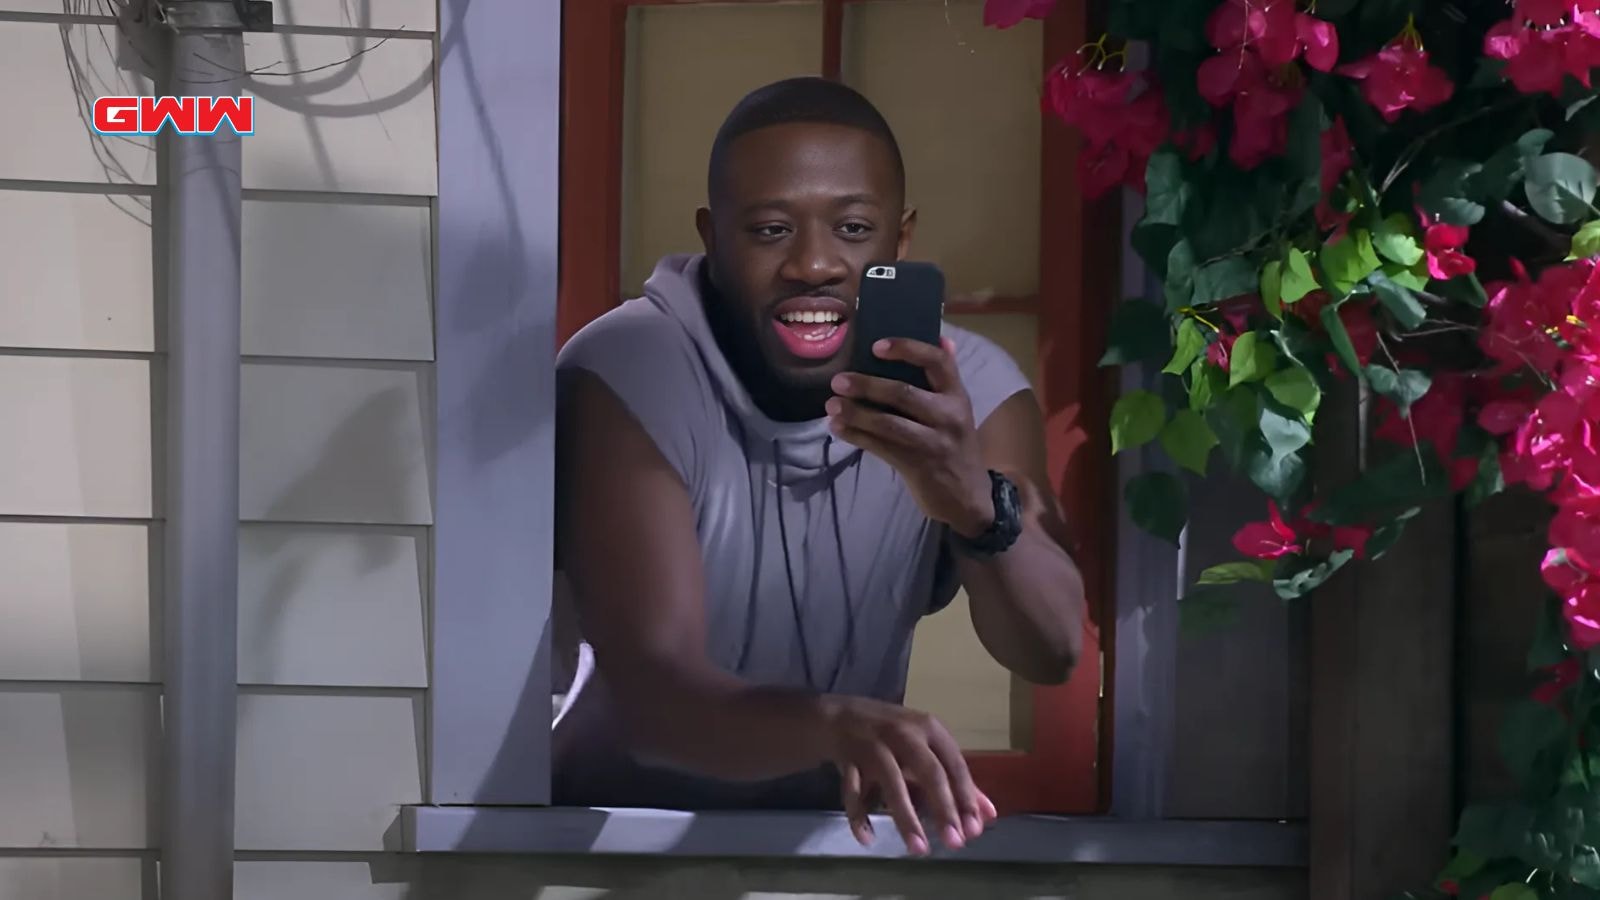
[1382,724]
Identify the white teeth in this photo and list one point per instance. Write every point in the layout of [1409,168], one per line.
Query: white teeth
[810,317]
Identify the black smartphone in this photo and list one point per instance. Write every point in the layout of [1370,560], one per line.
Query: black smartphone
[897,300]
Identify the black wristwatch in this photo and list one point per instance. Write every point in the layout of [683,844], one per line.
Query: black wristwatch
[1007,524]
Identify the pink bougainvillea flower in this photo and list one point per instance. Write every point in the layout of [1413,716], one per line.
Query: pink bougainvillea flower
[1436,418]
[1543,12]
[1103,167]
[1261,122]
[1006,13]
[1271,539]
[1443,244]
[1318,40]
[1122,117]
[1362,328]
[1558,678]
[1222,77]
[1337,157]
[1220,350]
[1501,417]
[1398,78]
[1533,57]
[1196,142]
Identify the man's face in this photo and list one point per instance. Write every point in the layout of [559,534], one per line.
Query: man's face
[802,209]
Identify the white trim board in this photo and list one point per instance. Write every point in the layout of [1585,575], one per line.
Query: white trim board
[1013,839]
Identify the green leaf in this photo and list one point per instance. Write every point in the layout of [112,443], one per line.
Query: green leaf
[1297,278]
[1400,302]
[1279,476]
[1342,345]
[1415,277]
[1547,647]
[1462,864]
[1463,289]
[1284,435]
[1206,609]
[1166,193]
[1191,343]
[1295,388]
[1404,387]
[1586,242]
[1508,165]
[1394,483]
[1136,419]
[1206,383]
[1385,536]
[1516,890]
[1560,186]
[1395,240]
[1303,155]
[1158,503]
[1272,288]
[1154,241]
[1529,732]
[1299,575]
[1138,332]
[1251,359]
[1584,869]
[1223,279]
[1448,193]
[1234,420]
[1489,480]
[1188,440]
[1179,275]
[1235,572]
[1349,260]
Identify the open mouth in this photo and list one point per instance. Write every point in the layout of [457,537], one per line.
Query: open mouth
[812,327]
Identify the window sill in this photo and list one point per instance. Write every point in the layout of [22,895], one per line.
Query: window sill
[1015,839]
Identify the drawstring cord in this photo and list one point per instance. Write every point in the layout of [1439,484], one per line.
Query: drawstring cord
[788,571]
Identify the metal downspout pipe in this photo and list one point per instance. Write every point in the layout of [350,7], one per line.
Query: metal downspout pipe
[201,176]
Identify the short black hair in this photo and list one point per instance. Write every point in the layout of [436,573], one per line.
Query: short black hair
[804,99]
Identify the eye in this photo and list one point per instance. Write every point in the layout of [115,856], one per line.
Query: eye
[855,229]
[768,232]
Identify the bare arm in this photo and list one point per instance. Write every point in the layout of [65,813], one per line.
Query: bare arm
[619,500]
[626,539]
[1027,603]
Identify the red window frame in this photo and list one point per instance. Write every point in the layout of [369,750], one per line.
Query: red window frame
[1066,770]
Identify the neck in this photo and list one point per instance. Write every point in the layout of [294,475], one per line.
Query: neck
[778,402]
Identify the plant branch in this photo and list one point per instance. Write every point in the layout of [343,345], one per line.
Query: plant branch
[1410,154]
[1555,239]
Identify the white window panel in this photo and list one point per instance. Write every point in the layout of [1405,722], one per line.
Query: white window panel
[688,66]
[76,600]
[410,15]
[963,101]
[320,606]
[64,67]
[330,279]
[75,878]
[77,437]
[325,772]
[75,271]
[366,123]
[78,767]
[334,444]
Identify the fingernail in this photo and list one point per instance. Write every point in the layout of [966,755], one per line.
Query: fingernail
[841,382]
[917,845]
[864,834]
[832,406]
[973,825]
[881,346]
[952,837]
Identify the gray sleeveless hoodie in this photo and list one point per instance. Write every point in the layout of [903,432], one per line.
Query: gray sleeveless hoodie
[818,563]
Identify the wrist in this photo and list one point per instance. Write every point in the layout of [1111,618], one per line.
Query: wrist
[977,512]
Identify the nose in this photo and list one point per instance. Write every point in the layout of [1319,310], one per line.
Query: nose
[814,259]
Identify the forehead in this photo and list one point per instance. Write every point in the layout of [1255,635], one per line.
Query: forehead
[808,159]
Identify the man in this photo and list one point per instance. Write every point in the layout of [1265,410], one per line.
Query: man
[749,546]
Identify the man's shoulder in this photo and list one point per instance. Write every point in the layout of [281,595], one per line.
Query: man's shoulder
[989,371]
[638,330]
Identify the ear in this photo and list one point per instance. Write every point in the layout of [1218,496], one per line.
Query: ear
[702,224]
[908,224]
